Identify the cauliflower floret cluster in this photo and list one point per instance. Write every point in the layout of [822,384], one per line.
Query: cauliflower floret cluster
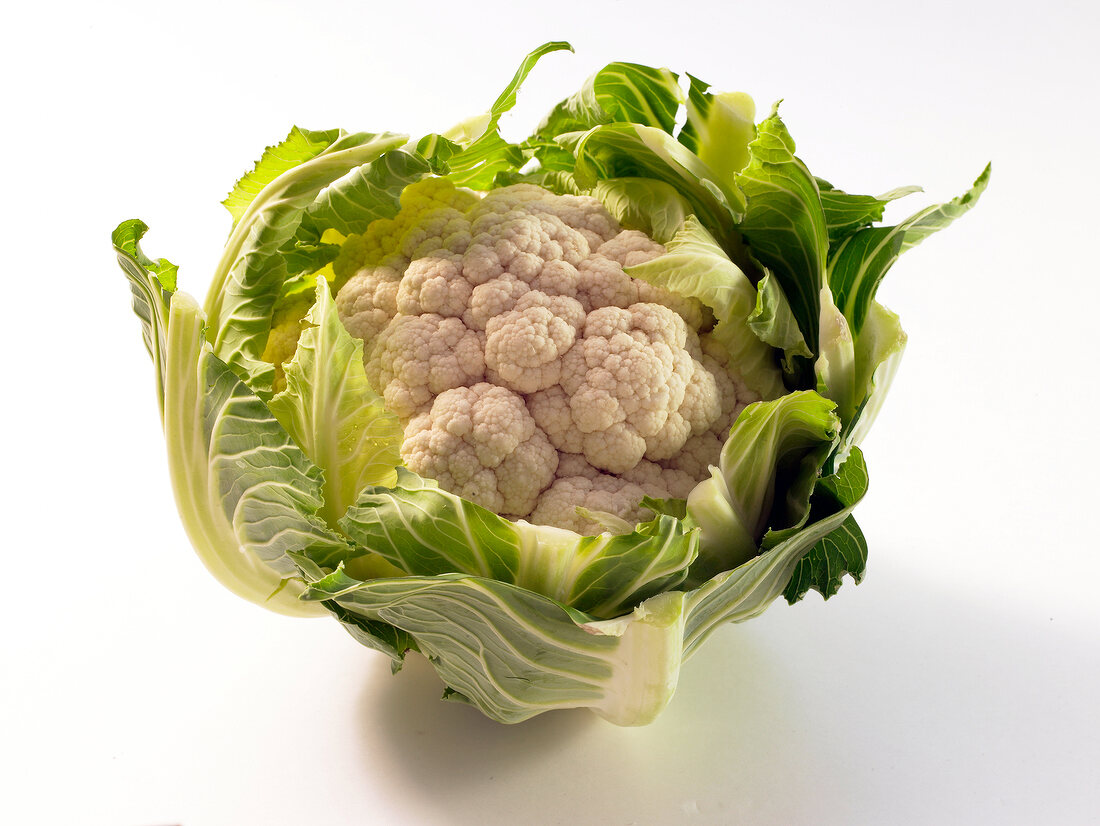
[532,374]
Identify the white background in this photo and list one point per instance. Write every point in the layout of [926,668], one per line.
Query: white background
[958,684]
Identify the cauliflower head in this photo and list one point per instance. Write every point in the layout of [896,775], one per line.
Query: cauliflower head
[531,373]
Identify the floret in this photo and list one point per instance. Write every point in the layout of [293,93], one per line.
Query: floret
[627,381]
[434,284]
[481,443]
[417,357]
[368,302]
[524,346]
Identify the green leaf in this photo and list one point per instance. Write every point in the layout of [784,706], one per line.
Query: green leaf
[127,240]
[296,148]
[427,531]
[247,494]
[748,590]
[644,204]
[877,355]
[380,636]
[836,364]
[698,102]
[437,152]
[303,260]
[473,153]
[694,265]
[844,549]
[365,194]
[719,128]
[849,484]
[773,322]
[617,93]
[671,507]
[479,165]
[623,150]
[858,264]
[764,479]
[332,413]
[152,283]
[395,643]
[606,574]
[786,229]
[514,654]
[507,98]
[846,213]
[252,269]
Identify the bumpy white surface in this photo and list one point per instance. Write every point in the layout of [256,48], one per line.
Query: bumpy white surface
[533,375]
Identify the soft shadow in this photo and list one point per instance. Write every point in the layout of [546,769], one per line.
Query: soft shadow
[819,713]
[570,766]
[452,742]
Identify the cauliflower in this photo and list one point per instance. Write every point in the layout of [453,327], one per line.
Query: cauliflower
[532,375]
[541,371]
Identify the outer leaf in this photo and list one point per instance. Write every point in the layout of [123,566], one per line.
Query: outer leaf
[151,284]
[427,531]
[618,93]
[650,206]
[299,146]
[785,225]
[845,213]
[303,259]
[364,194]
[764,479]
[161,273]
[843,550]
[473,153]
[514,654]
[623,150]
[746,591]
[719,128]
[332,413]
[670,507]
[694,265]
[507,98]
[860,355]
[480,165]
[836,360]
[699,100]
[773,322]
[858,264]
[878,354]
[374,634]
[246,493]
[395,643]
[848,485]
[251,271]
[606,574]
